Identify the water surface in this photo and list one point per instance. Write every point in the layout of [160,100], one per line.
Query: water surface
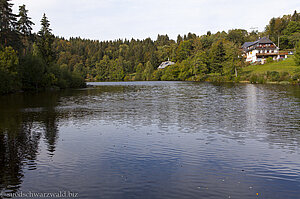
[153,140]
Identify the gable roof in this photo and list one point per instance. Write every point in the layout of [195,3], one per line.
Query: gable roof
[165,64]
[264,40]
[247,44]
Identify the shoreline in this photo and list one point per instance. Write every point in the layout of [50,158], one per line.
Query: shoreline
[242,82]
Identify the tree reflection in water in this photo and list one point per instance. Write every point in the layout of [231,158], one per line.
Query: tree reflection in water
[20,135]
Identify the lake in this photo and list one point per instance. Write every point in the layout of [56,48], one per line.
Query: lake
[152,140]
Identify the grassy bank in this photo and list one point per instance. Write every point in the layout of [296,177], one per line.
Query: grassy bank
[284,71]
[287,65]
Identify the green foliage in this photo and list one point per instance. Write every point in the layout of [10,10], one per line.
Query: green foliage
[237,36]
[32,72]
[148,72]
[48,61]
[287,28]
[257,79]
[297,55]
[287,65]
[171,73]
[45,41]
[63,78]
[24,22]
[9,61]
[36,70]
[139,72]
[269,60]
[186,70]
[157,75]
[217,57]
[8,22]
[234,61]
[24,28]
[199,65]
[184,50]
[296,77]
[116,72]
[102,69]
[273,76]
[219,54]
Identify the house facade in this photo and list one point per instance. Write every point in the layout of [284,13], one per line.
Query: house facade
[260,50]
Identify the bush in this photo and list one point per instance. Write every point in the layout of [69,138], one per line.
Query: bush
[8,82]
[253,79]
[77,81]
[273,76]
[257,79]
[216,78]
[284,76]
[269,60]
[296,78]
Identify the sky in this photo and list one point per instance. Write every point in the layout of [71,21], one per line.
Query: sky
[140,19]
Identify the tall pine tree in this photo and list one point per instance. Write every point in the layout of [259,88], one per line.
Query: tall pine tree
[8,22]
[45,41]
[24,27]
[24,22]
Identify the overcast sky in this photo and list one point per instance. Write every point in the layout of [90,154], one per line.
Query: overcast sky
[113,19]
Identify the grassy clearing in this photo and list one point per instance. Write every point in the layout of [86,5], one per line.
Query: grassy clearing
[287,65]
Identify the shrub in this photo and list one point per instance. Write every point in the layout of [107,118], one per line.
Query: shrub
[273,76]
[284,76]
[253,79]
[269,60]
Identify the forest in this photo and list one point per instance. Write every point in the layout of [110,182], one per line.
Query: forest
[38,61]
[28,61]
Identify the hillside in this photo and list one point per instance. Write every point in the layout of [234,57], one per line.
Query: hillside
[285,71]
[287,65]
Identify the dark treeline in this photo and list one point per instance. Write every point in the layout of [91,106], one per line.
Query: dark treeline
[28,61]
[41,60]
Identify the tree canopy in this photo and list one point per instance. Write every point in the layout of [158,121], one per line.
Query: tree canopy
[60,62]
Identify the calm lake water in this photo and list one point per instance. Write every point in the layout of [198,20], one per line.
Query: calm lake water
[153,140]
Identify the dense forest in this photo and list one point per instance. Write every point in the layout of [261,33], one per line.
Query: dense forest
[34,61]
[29,61]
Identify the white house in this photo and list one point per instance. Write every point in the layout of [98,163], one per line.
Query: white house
[260,50]
[165,64]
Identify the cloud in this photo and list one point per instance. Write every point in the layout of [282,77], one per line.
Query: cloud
[112,19]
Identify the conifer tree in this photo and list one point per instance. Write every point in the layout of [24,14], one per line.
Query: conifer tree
[24,22]
[24,27]
[8,23]
[45,40]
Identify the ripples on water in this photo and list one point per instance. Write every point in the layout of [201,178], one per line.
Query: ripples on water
[153,140]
